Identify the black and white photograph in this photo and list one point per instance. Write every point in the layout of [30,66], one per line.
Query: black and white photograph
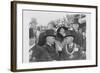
[53,36]
[56,36]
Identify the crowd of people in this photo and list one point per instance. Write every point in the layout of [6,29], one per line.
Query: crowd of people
[58,43]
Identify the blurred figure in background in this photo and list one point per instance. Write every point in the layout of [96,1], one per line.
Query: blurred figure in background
[32,34]
[52,25]
[78,36]
[83,30]
[32,31]
[38,31]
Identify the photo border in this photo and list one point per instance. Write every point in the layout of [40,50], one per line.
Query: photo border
[14,35]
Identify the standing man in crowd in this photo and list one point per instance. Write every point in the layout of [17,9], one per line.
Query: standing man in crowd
[52,25]
[49,46]
[78,36]
[32,31]
[45,51]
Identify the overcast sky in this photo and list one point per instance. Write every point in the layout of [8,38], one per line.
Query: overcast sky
[43,17]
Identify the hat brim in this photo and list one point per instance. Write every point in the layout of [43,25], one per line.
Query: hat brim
[69,36]
[50,35]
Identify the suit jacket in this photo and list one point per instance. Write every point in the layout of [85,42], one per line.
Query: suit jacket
[52,52]
[39,54]
[78,38]
[31,33]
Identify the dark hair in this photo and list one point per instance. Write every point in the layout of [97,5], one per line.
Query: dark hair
[59,36]
[61,28]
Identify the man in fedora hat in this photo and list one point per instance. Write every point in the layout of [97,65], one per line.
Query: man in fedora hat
[49,46]
[78,36]
[45,49]
[37,53]
[71,50]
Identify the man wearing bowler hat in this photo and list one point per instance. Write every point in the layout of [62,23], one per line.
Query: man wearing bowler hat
[45,49]
[49,46]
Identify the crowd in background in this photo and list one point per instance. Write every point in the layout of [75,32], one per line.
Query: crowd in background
[61,39]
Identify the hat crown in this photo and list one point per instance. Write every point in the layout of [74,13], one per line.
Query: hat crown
[69,33]
[50,32]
